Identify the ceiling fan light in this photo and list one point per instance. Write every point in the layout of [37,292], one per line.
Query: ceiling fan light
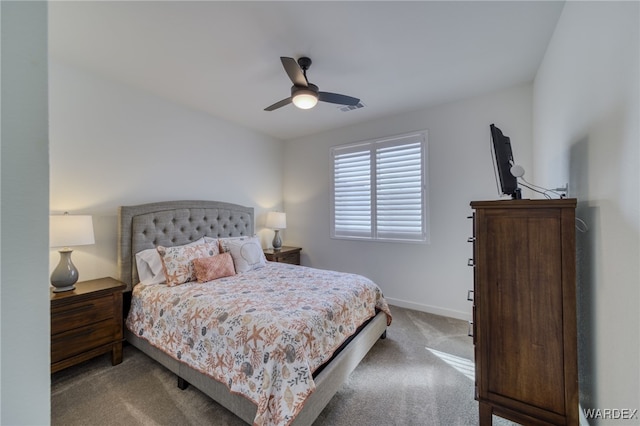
[305,99]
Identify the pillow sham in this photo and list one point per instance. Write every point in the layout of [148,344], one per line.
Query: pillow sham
[149,265]
[213,267]
[246,252]
[177,262]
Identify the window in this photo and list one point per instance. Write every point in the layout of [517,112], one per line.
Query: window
[379,189]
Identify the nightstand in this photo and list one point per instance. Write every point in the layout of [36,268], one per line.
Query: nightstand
[86,322]
[284,255]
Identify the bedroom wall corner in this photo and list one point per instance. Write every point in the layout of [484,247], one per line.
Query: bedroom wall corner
[586,130]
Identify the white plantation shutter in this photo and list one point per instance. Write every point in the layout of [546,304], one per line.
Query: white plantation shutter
[352,194]
[379,189]
[399,191]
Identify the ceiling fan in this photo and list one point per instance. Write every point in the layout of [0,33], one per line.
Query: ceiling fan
[305,95]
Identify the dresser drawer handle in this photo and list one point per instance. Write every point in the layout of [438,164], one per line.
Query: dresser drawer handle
[470,329]
[471,263]
[470,295]
[471,239]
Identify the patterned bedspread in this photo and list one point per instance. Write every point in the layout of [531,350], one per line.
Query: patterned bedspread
[262,332]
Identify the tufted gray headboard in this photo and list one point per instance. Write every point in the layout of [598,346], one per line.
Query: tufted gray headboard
[171,223]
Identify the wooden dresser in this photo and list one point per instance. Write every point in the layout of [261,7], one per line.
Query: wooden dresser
[86,322]
[284,254]
[524,314]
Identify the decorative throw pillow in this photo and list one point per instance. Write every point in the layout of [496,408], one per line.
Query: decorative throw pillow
[246,252]
[149,265]
[213,267]
[177,262]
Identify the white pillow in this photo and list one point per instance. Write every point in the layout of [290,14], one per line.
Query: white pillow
[149,265]
[222,242]
[246,253]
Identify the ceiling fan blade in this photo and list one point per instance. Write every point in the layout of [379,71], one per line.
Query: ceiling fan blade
[293,71]
[336,98]
[278,104]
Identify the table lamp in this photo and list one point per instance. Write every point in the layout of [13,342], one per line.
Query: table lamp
[276,221]
[65,231]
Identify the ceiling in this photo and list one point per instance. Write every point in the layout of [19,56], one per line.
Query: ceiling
[223,57]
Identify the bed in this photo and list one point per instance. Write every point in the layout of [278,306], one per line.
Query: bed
[297,388]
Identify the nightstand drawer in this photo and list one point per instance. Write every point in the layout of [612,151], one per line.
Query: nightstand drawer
[79,314]
[284,255]
[74,342]
[86,322]
[293,258]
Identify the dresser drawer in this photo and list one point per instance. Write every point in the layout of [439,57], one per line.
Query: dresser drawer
[68,317]
[74,342]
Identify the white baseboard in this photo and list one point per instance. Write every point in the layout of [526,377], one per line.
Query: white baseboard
[466,316]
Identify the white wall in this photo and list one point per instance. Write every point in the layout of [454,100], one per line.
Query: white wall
[115,145]
[585,130]
[433,277]
[24,307]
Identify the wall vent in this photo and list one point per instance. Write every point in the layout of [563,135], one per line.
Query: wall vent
[347,108]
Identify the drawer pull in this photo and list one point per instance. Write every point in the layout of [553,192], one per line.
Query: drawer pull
[470,329]
[471,263]
[470,295]
[471,239]
[75,335]
[79,309]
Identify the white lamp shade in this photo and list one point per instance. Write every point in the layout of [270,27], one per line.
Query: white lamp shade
[276,220]
[70,230]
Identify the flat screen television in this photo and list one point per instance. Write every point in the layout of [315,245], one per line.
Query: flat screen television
[502,161]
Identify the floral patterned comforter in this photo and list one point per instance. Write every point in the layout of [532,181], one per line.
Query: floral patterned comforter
[262,332]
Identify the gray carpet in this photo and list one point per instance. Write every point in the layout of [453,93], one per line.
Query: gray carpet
[400,382]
